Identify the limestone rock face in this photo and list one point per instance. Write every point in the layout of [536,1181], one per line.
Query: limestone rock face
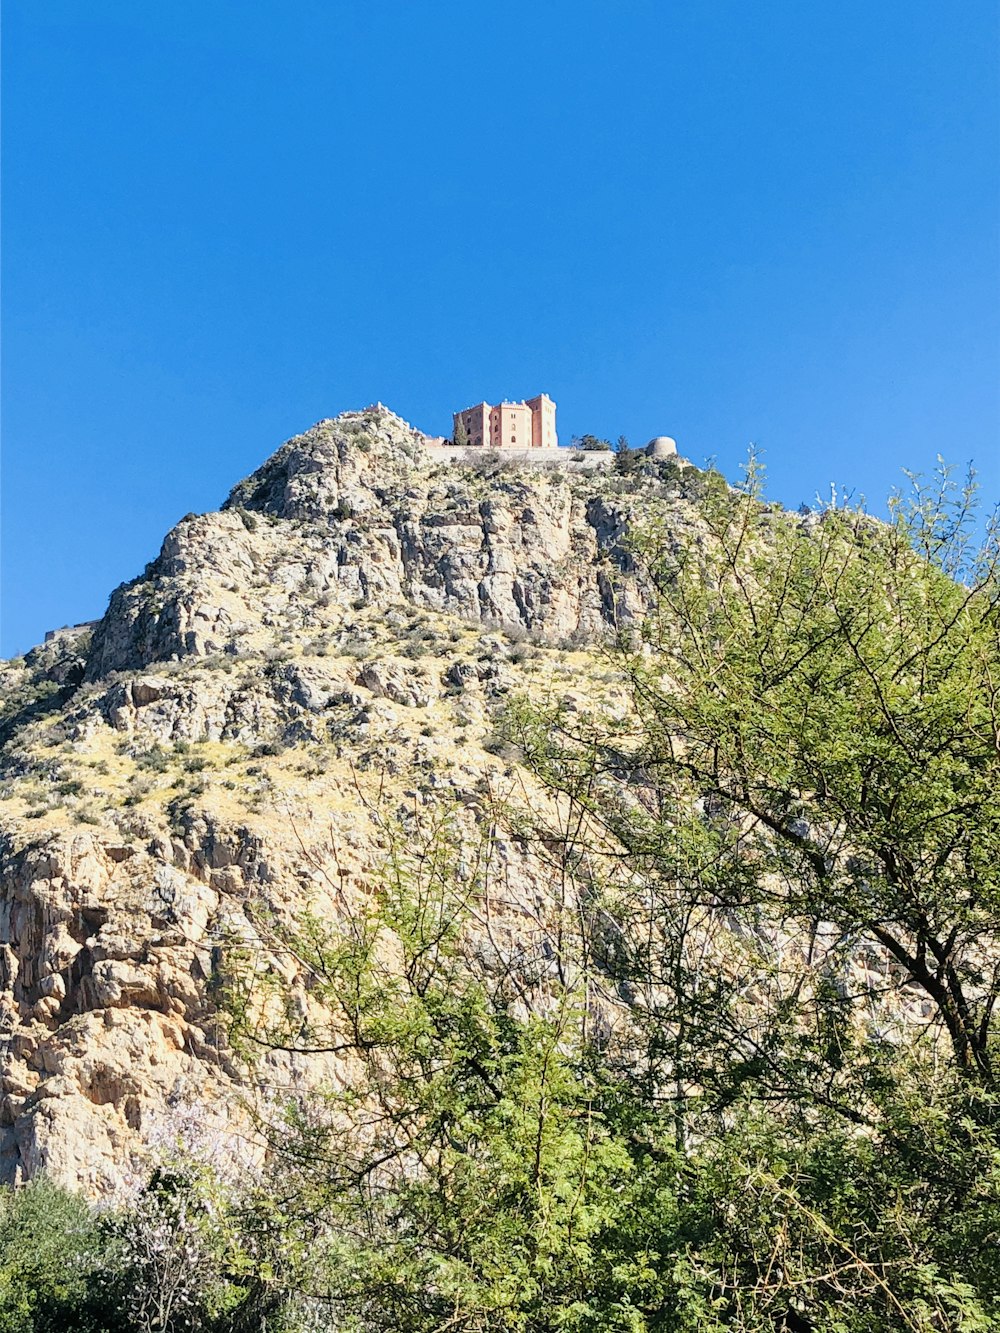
[332,644]
[112,956]
[354,512]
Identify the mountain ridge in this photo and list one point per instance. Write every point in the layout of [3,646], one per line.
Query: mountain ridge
[341,633]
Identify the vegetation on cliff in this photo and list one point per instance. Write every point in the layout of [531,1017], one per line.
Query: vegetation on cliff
[750,1082]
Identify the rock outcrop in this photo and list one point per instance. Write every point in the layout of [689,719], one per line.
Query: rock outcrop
[352,513]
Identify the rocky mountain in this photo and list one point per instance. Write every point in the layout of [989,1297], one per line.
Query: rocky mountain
[332,644]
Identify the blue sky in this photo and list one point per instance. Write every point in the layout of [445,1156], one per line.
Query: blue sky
[771,221]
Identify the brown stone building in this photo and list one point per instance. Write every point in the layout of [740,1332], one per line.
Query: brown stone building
[524,425]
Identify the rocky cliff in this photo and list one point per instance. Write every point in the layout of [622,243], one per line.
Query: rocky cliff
[333,643]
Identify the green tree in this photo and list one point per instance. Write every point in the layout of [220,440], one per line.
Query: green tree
[591,443]
[829,688]
[804,793]
[472,1175]
[627,460]
[187,1255]
[53,1258]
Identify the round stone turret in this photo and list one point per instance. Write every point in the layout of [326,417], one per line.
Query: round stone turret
[662,447]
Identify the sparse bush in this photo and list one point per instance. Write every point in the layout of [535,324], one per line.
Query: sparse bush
[267,750]
[675,473]
[155,759]
[358,648]
[488,463]
[629,462]
[500,745]
[573,642]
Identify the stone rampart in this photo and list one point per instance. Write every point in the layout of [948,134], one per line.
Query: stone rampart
[578,460]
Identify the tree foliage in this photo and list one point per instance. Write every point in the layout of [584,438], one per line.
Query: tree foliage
[833,692]
[189,1254]
[51,1262]
[591,443]
[806,784]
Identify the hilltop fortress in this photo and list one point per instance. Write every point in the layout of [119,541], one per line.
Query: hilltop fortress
[528,424]
[527,429]
[523,432]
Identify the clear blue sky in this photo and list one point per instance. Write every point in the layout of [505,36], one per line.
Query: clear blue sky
[768,220]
